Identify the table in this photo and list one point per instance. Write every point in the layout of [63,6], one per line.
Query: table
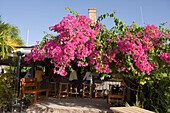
[129,110]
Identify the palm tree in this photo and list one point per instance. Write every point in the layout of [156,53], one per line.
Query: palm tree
[9,38]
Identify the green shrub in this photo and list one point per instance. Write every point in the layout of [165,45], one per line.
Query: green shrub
[156,96]
[6,89]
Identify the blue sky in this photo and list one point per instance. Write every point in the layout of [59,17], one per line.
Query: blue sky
[39,15]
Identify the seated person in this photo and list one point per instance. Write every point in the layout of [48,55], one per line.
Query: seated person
[39,75]
[28,74]
[87,78]
[73,76]
[73,79]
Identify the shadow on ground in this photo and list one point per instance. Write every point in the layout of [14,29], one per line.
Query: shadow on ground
[70,105]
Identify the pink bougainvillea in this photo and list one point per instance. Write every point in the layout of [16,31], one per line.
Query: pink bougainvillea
[164,56]
[79,42]
[133,47]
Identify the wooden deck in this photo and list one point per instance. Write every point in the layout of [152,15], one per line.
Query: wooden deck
[129,110]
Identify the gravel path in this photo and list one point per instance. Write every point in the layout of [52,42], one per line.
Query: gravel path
[70,105]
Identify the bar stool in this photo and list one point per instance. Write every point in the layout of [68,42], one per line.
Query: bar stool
[53,87]
[99,92]
[73,89]
[63,90]
[86,91]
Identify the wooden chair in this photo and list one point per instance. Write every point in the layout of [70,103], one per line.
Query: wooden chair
[118,95]
[63,90]
[29,86]
[99,93]
[73,89]
[87,92]
[53,87]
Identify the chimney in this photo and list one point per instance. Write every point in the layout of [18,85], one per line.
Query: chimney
[92,14]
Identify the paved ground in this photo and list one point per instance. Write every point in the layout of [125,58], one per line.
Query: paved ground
[70,105]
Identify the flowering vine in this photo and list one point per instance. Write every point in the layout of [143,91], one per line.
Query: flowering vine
[125,49]
[77,39]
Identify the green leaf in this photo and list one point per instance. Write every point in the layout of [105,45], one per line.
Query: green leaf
[127,105]
[102,77]
[164,74]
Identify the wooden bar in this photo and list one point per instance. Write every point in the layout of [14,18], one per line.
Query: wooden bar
[115,80]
